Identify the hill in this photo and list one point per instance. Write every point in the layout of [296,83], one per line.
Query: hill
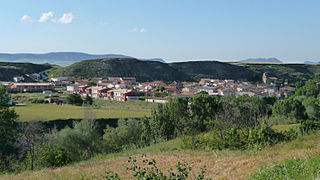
[291,73]
[60,58]
[214,69]
[311,62]
[8,70]
[125,67]
[262,60]
[149,71]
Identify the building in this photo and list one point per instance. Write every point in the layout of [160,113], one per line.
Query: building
[59,79]
[157,100]
[122,95]
[31,87]
[73,88]
[18,79]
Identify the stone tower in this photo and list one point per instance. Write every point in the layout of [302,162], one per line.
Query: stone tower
[264,78]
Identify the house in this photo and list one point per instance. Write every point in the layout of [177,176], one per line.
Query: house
[32,87]
[81,81]
[58,79]
[56,100]
[129,80]
[157,100]
[157,83]
[73,88]
[122,95]
[99,91]
[82,88]
[18,79]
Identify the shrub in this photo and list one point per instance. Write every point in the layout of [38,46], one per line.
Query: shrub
[309,126]
[291,169]
[126,136]
[55,157]
[81,142]
[150,170]
[236,138]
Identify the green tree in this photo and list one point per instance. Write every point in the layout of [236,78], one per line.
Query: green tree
[88,100]
[81,142]
[91,83]
[8,129]
[290,109]
[204,109]
[74,99]
[159,89]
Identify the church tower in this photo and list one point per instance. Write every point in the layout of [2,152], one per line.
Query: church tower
[264,78]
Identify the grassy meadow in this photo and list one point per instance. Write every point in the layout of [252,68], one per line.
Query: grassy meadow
[47,112]
[219,164]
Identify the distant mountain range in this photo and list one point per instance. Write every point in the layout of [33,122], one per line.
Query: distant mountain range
[311,62]
[61,58]
[262,60]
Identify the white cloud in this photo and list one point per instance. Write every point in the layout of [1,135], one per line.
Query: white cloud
[26,19]
[67,18]
[142,30]
[46,17]
[133,30]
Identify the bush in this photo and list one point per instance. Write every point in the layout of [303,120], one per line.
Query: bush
[308,126]
[150,170]
[236,138]
[81,142]
[55,157]
[291,169]
[126,136]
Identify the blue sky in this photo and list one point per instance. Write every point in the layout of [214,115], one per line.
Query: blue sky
[175,30]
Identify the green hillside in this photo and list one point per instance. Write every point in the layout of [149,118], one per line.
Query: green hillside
[291,73]
[214,69]
[8,70]
[182,71]
[124,67]
[149,71]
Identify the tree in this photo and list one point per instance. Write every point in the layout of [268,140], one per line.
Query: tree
[159,89]
[7,128]
[30,137]
[290,109]
[74,99]
[4,97]
[91,83]
[81,142]
[88,100]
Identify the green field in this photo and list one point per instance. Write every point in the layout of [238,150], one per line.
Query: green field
[47,112]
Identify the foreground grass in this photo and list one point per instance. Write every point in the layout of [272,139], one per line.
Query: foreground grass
[47,112]
[220,164]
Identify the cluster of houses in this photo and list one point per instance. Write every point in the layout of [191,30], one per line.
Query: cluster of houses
[128,89]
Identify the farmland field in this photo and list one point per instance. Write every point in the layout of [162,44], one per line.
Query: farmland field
[47,112]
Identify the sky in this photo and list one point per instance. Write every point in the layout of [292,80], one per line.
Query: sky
[175,30]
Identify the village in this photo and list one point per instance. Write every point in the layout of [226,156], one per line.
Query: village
[128,89]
